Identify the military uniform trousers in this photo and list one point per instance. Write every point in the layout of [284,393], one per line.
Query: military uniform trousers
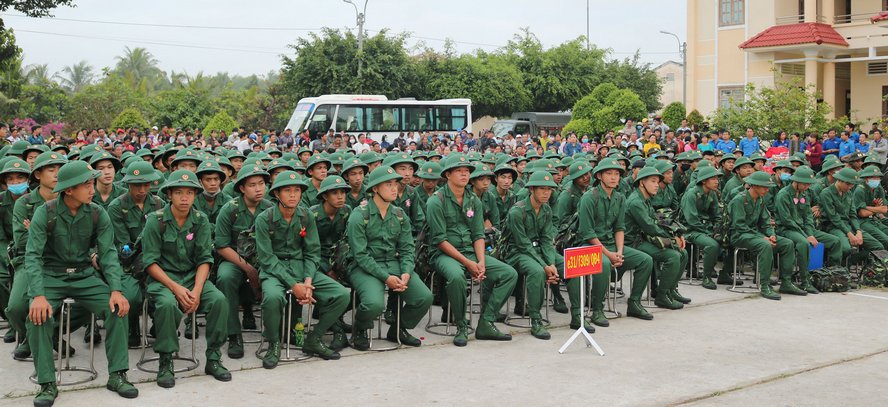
[230,280]
[875,228]
[88,290]
[499,281]
[831,248]
[709,247]
[762,250]
[168,315]
[632,260]
[370,291]
[869,242]
[17,308]
[332,300]
[134,293]
[535,282]
[672,261]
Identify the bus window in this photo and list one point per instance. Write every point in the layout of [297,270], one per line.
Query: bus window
[450,118]
[522,128]
[350,118]
[321,120]
[417,118]
[383,118]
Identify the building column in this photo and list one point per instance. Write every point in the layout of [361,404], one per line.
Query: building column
[811,72]
[810,11]
[829,86]
[828,10]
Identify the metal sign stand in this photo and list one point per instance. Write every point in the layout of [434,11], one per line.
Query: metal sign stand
[582,330]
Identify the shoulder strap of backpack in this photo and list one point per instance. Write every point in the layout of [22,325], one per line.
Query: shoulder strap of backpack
[51,215]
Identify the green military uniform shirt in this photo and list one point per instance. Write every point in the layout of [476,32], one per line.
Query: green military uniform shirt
[792,211]
[864,196]
[531,233]
[330,231]
[749,217]
[460,225]
[566,205]
[641,221]
[408,201]
[116,191]
[502,203]
[355,201]
[665,198]
[310,195]
[69,246]
[601,216]
[374,239]
[700,210]
[24,210]
[732,183]
[233,218]
[212,211]
[6,205]
[837,212]
[128,219]
[287,251]
[177,250]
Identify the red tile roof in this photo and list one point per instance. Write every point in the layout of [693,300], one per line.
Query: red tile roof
[879,17]
[795,34]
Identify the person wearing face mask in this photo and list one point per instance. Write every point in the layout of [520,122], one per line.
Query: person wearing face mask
[870,205]
[782,178]
[128,213]
[839,217]
[15,175]
[381,239]
[644,233]
[795,221]
[212,198]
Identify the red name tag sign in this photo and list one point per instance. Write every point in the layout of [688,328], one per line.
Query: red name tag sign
[582,261]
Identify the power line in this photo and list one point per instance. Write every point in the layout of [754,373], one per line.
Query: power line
[199,27]
[168,44]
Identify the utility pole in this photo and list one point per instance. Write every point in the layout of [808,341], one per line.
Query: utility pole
[588,43]
[360,16]
[683,50]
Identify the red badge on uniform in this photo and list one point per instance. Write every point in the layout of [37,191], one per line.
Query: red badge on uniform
[302,232]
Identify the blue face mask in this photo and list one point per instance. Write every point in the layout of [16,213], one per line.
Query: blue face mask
[785,177]
[18,189]
[585,140]
[873,183]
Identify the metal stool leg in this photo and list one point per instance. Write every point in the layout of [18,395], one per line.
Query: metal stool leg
[610,299]
[191,362]
[509,318]
[379,329]
[737,273]
[434,327]
[65,354]
[286,324]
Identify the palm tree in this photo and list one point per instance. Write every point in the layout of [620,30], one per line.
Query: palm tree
[76,76]
[38,74]
[138,62]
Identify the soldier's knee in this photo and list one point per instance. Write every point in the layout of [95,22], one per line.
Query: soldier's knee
[273,299]
[374,306]
[164,304]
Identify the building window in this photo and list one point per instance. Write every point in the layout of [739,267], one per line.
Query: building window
[731,12]
[670,77]
[728,97]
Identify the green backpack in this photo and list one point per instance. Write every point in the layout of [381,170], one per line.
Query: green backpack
[831,279]
[875,271]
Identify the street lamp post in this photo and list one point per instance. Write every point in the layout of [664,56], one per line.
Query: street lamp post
[588,43]
[683,50]
[360,16]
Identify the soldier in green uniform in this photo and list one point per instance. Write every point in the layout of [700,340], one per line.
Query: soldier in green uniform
[781,179]
[504,179]
[317,171]
[456,228]
[602,214]
[15,176]
[826,178]
[58,265]
[430,174]
[381,239]
[211,199]
[839,217]
[795,221]
[701,211]
[666,196]
[353,172]
[106,189]
[235,217]
[751,230]
[645,234]
[178,251]
[128,214]
[276,167]
[480,181]
[531,247]
[742,168]
[869,203]
[186,160]
[726,164]
[407,195]
[289,254]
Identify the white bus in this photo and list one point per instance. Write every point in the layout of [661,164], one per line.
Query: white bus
[377,116]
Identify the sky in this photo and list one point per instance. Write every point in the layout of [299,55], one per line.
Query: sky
[246,38]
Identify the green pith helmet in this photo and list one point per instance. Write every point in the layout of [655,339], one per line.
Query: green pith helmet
[481,170]
[249,171]
[369,157]
[15,166]
[728,158]
[645,172]
[181,178]
[663,166]
[430,170]
[578,169]
[278,163]
[541,179]
[140,172]
[18,148]
[73,174]
[870,172]
[103,156]
[847,175]
[706,173]
[382,174]
[505,167]
[785,164]
[332,182]
[828,166]
[608,164]
[400,158]
[759,178]
[456,160]
[804,174]
[44,160]
[741,162]
[317,159]
[209,167]
[353,163]
[289,178]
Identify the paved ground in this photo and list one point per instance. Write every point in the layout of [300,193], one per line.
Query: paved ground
[726,349]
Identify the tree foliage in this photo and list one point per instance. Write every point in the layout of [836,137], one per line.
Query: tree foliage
[606,107]
[181,108]
[220,122]
[694,117]
[673,114]
[129,118]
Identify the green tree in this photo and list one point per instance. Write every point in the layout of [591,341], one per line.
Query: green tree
[11,80]
[580,127]
[34,8]
[38,74]
[605,107]
[630,73]
[97,105]
[139,70]
[129,118]
[181,108]
[75,77]
[220,122]
[44,104]
[327,63]
[673,114]
[694,117]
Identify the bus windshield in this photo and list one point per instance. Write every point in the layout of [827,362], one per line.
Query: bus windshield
[302,111]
